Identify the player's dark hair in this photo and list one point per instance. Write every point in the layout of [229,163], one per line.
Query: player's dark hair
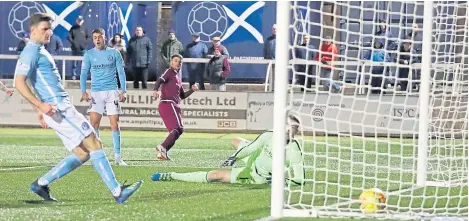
[37,18]
[294,118]
[176,55]
[99,31]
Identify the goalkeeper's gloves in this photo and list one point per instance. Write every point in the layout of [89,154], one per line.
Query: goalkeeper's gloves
[324,61]
[268,180]
[229,162]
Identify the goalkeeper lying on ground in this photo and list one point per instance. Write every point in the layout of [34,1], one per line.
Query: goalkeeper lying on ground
[258,158]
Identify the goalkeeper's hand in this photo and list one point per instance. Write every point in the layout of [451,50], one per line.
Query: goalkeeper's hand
[268,180]
[229,162]
[324,61]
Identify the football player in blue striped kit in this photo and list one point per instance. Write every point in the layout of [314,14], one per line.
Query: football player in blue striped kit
[55,110]
[104,63]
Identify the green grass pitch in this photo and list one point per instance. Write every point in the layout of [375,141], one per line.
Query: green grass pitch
[26,154]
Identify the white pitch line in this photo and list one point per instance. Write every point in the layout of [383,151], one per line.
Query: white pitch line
[21,168]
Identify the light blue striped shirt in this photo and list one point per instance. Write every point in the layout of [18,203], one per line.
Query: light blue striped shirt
[104,66]
[36,63]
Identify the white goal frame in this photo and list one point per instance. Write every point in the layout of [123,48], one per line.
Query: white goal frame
[281,93]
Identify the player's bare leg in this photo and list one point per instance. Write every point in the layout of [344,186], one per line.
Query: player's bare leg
[103,167]
[116,139]
[223,176]
[95,120]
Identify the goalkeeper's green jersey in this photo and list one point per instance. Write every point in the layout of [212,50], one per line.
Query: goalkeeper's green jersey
[259,152]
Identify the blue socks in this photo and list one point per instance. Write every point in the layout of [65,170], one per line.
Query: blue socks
[97,132]
[103,167]
[116,140]
[64,167]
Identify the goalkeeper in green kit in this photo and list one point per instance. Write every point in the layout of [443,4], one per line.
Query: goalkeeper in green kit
[258,158]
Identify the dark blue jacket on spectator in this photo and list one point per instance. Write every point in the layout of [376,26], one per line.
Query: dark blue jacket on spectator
[406,58]
[55,45]
[307,53]
[139,51]
[269,47]
[196,50]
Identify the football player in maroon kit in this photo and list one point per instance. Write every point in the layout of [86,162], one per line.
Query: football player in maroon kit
[171,94]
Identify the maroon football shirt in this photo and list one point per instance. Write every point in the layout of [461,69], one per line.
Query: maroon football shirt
[171,88]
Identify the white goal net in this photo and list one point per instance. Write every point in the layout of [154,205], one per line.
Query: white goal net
[389,112]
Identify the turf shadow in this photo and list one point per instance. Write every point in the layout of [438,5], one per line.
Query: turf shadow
[161,195]
[37,202]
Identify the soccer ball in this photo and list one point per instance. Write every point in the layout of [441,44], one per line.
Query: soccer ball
[372,200]
[18,17]
[208,19]
[114,21]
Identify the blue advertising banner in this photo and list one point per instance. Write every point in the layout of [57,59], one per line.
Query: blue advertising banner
[242,26]
[114,17]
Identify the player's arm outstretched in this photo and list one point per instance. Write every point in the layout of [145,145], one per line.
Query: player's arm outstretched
[85,69]
[120,70]
[244,149]
[4,88]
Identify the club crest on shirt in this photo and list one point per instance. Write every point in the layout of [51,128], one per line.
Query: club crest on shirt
[85,126]
[110,58]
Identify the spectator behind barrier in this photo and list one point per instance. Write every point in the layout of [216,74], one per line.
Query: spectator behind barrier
[407,56]
[139,56]
[216,42]
[306,52]
[55,45]
[171,47]
[377,54]
[218,68]
[327,54]
[382,30]
[196,49]
[269,51]
[22,42]
[118,43]
[78,36]
[269,44]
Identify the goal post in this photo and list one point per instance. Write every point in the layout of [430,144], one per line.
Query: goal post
[424,95]
[390,111]
[280,103]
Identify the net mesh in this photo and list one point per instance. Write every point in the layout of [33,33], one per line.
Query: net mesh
[359,113]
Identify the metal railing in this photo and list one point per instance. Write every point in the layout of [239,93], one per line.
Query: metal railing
[338,66]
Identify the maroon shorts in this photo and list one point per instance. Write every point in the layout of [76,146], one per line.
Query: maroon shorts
[171,115]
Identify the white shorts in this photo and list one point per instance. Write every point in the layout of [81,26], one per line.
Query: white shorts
[71,126]
[105,101]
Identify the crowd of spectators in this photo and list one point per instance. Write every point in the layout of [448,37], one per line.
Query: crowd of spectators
[385,47]
[138,55]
